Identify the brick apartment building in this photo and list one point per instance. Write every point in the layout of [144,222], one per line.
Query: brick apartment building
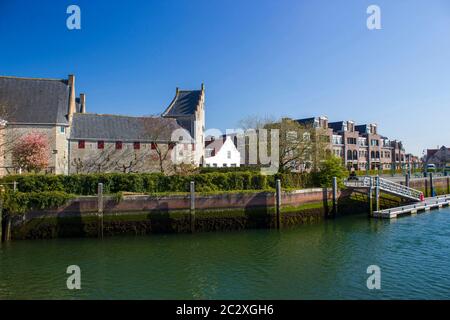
[361,147]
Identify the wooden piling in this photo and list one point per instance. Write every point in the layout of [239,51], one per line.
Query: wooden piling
[377,193]
[100,210]
[1,220]
[407,179]
[335,197]
[432,194]
[369,196]
[192,207]
[278,203]
[448,185]
[426,188]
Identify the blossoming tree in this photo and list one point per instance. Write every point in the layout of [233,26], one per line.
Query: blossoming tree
[30,153]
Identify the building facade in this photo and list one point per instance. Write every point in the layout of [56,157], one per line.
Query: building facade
[86,142]
[361,147]
[439,157]
[222,153]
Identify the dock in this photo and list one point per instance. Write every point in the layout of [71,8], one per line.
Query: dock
[426,205]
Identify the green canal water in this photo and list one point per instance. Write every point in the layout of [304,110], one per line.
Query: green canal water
[323,261]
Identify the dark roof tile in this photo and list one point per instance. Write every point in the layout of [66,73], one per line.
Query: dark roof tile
[121,128]
[34,100]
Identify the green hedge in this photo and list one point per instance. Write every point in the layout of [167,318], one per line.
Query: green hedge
[86,184]
[21,202]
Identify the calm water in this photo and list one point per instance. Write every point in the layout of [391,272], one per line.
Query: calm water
[326,261]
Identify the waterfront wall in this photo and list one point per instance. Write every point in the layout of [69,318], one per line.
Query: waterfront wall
[140,214]
[441,185]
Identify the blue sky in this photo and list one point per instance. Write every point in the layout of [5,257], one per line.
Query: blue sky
[296,58]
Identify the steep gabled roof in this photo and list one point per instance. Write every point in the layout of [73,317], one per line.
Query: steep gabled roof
[184,104]
[39,101]
[107,127]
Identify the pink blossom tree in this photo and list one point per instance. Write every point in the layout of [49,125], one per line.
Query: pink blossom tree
[30,153]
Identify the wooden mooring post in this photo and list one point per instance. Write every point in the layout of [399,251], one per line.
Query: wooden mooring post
[335,197]
[407,179]
[1,220]
[369,196]
[426,188]
[100,210]
[432,193]
[448,185]
[192,207]
[377,193]
[278,203]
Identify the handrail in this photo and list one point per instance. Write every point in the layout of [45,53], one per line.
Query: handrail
[385,185]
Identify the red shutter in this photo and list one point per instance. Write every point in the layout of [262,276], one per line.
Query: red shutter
[81,144]
[100,144]
[118,145]
[137,145]
[153,146]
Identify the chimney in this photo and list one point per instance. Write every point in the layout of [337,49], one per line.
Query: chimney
[178,89]
[203,86]
[82,103]
[72,109]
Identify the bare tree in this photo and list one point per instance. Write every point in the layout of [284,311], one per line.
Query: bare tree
[160,132]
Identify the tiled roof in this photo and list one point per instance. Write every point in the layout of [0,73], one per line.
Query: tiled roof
[121,128]
[361,128]
[306,120]
[27,100]
[336,126]
[185,103]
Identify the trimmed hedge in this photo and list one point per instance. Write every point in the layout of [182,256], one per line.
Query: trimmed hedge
[86,184]
[21,202]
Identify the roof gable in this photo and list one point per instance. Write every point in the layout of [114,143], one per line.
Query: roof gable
[185,103]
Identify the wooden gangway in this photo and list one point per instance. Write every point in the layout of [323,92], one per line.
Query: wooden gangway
[386,186]
[426,205]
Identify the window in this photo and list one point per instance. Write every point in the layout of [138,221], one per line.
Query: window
[229,154]
[62,129]
[153,146]
[100,144]
[233,165]
[193,147]
[215,165]
[118,145]
[136,145]
[349,155]
[171,145]
[225,165]
[81,144]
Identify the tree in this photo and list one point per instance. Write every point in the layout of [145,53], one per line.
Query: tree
[329,168]
[30,153]
[162,133]
[301,147]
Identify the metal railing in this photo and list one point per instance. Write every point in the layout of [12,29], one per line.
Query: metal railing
[385,185]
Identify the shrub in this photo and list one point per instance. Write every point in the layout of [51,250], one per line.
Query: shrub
[330,168]
[87,184]
[20,202]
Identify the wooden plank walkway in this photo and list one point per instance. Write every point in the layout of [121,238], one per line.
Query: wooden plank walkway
[428,204]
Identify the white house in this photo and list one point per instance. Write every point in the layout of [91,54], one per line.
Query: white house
[219,153]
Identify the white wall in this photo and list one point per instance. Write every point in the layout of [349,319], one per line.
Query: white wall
[221,158]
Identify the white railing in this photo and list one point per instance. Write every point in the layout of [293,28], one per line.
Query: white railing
[385,185]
